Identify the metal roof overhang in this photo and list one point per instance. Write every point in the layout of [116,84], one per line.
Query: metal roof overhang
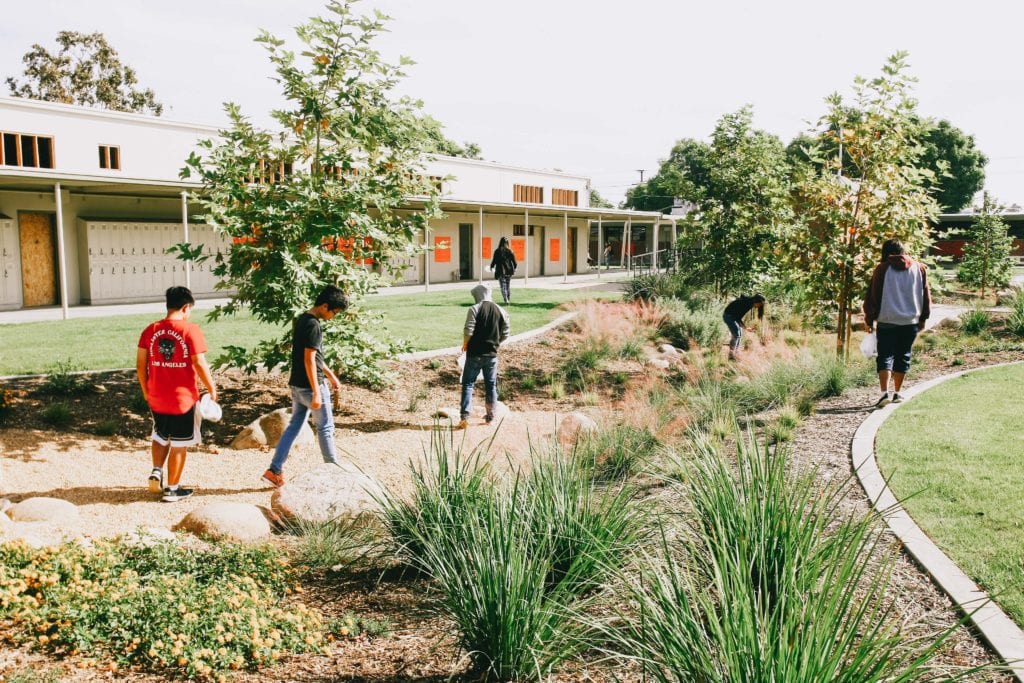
[544,210]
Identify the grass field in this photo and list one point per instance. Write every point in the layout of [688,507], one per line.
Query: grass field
[426,321]
[957,450]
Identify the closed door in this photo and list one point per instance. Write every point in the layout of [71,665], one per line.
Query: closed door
[466,251]
[38,259]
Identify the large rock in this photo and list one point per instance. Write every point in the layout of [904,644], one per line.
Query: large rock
[50,510]
[267,430]
[573,426]
[328,492]
[225,520]
[668,350]
[37,534]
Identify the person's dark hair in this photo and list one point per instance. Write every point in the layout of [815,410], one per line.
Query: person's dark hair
[503,243]
[759,299]
[892,248]
[177,297]
[334,297]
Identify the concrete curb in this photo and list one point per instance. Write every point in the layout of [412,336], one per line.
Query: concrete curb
[522,336]
[997,629]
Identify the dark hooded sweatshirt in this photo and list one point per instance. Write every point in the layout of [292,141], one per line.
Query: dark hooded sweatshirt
[898,293]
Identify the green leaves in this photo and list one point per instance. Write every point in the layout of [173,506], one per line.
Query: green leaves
[316,201]
[987,262]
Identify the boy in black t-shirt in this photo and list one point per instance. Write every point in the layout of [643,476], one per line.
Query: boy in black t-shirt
[309,383]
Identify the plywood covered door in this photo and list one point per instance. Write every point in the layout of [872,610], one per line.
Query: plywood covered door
[573,237]
[38,259]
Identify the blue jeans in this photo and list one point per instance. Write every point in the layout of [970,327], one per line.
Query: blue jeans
[735,329]
[474,366]
[323,421]
[894,343]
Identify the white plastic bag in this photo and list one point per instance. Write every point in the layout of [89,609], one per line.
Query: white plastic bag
[209,410]
[869,345]
[461,361]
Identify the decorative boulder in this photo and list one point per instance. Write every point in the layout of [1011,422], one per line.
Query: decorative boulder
[668,350]
[267,431]
[659,363]
[37,534]
[328,492]
[51,510]
[447,413]
[573,426]
[225,520]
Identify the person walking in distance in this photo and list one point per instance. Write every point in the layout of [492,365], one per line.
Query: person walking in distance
[896,308]
[733,318]
[309,383]
[486,328]
[171,355]
[504,265]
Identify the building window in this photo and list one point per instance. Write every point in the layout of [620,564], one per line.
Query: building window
[110,157]
[528,194]
[520,230]
[32,151]
[268,172]
[565,197]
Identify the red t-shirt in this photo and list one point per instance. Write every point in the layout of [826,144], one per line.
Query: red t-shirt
[171,381]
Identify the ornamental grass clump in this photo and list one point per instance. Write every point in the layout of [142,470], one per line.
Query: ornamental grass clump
[769,580]
[514,560]
[188,612]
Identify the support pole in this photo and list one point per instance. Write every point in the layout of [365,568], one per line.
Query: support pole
[565,247]
[526,239]
[600,246]
[675,249]
[61,253]
[184,225]
[657,224]
[480,251]
[622,247]
[426,261]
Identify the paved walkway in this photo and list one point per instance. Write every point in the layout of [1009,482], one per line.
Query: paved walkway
[611,279]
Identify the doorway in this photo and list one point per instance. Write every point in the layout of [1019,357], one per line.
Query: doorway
[38,259]
[571,253]
[465,251]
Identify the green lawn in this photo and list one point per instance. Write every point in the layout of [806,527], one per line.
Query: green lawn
[427,321]
[958,451]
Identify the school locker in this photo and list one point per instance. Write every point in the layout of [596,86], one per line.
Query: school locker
[10,265]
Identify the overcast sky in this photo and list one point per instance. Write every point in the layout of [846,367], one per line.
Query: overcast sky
[598,87]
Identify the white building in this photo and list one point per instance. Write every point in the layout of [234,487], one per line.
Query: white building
[91,199]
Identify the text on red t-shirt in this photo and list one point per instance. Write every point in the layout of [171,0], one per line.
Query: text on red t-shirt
[171,380]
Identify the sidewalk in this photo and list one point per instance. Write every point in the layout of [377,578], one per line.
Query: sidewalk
[582,281]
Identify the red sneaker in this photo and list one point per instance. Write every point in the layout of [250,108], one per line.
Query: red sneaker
[275,480]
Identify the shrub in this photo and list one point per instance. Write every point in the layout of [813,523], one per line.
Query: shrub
[769,570]
[414,401]
[779,432]
[974,321]
[334,544]
[349,625]
[694,322]
[106,427]
[617,453]
[164,607]
[528,382]
[581,367]
[57,415]
[64,380]
[632,349]
[513,562]
[654,286]
[556,387]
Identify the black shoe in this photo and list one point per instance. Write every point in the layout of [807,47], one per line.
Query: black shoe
[488,419]
[896,398]
[176,495]
[884,401]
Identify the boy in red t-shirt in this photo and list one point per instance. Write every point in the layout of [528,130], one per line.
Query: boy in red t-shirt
[171,355]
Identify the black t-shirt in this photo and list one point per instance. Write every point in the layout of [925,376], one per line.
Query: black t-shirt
[306,335]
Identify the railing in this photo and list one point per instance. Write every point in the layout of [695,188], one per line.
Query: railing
[654,261]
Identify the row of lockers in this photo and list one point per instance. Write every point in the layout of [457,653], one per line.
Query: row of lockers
[10,265]
[129,260]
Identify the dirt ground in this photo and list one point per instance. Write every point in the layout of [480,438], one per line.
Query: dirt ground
[381,432]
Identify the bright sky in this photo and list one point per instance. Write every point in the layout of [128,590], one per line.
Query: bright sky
[599,87]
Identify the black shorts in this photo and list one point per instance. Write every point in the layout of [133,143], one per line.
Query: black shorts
[177,430]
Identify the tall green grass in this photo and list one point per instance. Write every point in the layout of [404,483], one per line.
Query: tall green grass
[770,581]
[696,321]
[513,562]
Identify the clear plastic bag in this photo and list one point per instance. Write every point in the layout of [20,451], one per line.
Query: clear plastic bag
[869,345]
[461,361]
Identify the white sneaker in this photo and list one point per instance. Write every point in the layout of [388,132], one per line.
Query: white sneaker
[156,481]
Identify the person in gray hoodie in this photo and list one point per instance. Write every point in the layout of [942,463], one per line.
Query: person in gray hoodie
[897,306]
[486,328]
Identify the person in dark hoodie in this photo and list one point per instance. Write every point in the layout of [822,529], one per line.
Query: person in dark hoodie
[896,307]
[504,265]
[733,318]
[486,328]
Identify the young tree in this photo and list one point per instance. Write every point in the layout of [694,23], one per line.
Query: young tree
[597,201]
[958,165]
[323,199]
[833,251]
[987,261]
[85,70]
